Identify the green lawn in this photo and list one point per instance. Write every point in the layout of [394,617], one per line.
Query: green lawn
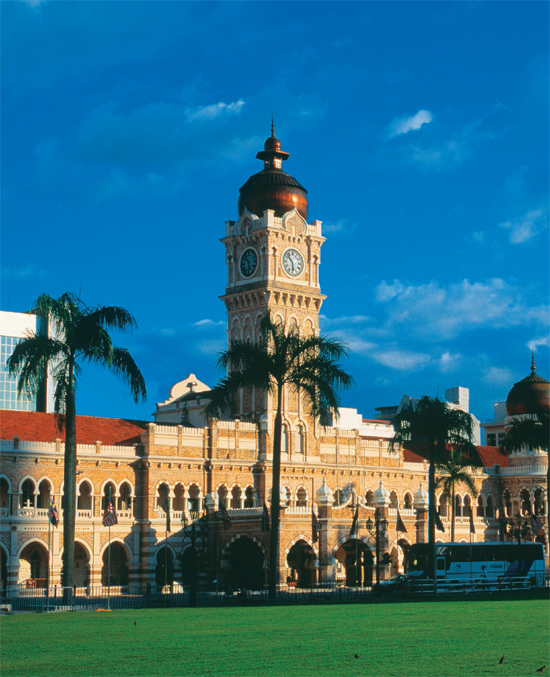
[442,639]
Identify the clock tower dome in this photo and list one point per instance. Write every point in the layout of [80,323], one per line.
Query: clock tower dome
[273,256]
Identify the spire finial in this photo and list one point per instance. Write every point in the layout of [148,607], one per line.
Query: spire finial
[533,361]
[272,125]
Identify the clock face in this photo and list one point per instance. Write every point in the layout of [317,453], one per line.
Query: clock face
[249,261]
[293,262]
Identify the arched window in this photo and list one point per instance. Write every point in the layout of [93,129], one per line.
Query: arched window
[109,492]
[177,501]
[43,498]
[27,494]
[301,446]
[236,497]
[338,496]
[480,512]
[394,503]
[525,501]
[458,505]
[162,496]
[301,498]
[490,509]
[408,499]
[125,497]
[249,497]
[539,502]
[84,498]
[4,495]
[286,496]
[369,498]
[222,496]
[284,439]
[193,501]
[507,501]
[443,506]
[467,510]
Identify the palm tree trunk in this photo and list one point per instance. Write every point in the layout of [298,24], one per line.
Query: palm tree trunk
[453,501]
[69,492]
[431,507]
[275,498]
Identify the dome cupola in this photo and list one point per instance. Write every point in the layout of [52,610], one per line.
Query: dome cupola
[530,395]
[272,188]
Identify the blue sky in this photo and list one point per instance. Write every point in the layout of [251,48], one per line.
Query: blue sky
[420,130]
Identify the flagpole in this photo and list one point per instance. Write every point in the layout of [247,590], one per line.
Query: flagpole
[49,564]
[109,558]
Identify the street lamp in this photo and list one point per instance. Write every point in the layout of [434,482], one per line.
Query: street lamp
[518,527]
[378,529]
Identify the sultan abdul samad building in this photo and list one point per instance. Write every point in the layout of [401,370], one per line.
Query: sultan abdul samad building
[273,256]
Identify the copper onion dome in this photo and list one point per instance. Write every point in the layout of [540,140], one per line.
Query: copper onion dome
[530,395]
[272,188]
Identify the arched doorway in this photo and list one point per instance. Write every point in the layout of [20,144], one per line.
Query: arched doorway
[301,561]
[357,560]
[405,548]
[81,576]
[33,566]
[189,566]
[164,571]
[3,569]
[246,562]
[118,565]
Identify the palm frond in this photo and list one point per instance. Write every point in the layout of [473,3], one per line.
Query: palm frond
[124,366]
[110,316]
[29,361]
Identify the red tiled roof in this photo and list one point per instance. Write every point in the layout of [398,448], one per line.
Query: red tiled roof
[416,452]
[32,426]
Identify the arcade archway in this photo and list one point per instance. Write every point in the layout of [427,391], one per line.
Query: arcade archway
[357,560]
[164,571]
[301,561]
[81,576]
[246,561]
[33,566]
[118,565]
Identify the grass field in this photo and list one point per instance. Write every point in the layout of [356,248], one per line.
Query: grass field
[442,639]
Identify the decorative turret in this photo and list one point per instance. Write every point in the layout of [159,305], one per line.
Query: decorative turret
[323,495]
[272,188]
[421,498]
[381,497]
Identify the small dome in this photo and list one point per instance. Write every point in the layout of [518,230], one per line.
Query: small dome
[272,188]
[323,491]
[529,396]
[381,495]
[421,497]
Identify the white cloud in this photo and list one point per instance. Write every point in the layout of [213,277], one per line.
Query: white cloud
[209,323]
[449,361]
[338,226]
[215,110]
[210,347]
[535,343]
[408,123]
[20,273]
[436,312]
[403,360]
[526,227]
[499,376]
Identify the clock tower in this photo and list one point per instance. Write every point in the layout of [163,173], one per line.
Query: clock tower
[273,256]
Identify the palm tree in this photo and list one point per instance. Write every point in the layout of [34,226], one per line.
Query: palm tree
[79,335]
[282,358]
[532,431]
[432,421]
[454,471]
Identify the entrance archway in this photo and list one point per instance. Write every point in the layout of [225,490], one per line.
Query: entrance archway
[164,571]
[33,566]
[246,562]
[301,561]
[119,565]
[357,560]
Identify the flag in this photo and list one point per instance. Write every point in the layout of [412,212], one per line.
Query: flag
[109,516]
[315,526]
[224,516]
[438,523]
[353,530]
[53,515]
[472,526]
[399,526]
[166,509]
[265,519]
[536,525]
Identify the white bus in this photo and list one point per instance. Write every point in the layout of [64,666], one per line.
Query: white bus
[491,564]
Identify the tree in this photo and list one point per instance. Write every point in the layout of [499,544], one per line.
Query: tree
[282,358]
[79,335]
[454,471]
[432,421]
[531,431]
